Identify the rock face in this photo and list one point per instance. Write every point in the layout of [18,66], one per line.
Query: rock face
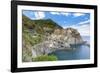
[74,36]
[70,35]
[60,39]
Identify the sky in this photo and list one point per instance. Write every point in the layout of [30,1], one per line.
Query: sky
[77,20]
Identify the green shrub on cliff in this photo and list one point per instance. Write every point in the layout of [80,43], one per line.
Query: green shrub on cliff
[45,58]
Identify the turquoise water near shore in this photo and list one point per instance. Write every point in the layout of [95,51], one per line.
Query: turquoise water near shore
[79,52]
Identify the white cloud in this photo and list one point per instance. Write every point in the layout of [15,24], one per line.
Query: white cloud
[66,14]
[78,14]
[39,15]
[60,13]
[55,13]
[84,22]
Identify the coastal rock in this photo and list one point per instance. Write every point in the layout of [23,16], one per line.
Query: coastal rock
[70,35]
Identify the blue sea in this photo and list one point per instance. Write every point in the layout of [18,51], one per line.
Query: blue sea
[80,52]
